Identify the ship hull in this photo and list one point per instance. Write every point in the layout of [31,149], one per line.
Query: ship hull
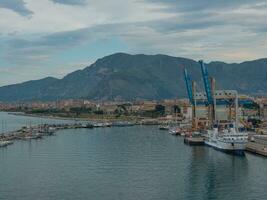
[230,148]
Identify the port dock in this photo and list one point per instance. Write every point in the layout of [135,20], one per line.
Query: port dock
[257,144]
[194,141]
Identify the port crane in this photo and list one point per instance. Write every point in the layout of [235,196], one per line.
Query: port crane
[191,90]
[220,97]
[209,85]
[189,86]
[211,98]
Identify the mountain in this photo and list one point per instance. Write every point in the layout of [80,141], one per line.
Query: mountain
[128,77]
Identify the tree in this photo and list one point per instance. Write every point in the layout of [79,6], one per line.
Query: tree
[160,109]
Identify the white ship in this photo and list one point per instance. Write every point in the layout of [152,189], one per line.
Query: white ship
[228,140]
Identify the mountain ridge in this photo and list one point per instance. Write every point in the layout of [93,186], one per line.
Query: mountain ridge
[122,76]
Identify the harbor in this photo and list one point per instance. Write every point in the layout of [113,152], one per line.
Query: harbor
[133,100]
[153,161]
[256,142]
[214,118]
[229,133]
[138,148]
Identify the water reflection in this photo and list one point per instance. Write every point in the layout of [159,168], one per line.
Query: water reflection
[216,175]
[126,163]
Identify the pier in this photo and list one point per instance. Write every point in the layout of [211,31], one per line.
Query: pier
[257,144]
[194,141]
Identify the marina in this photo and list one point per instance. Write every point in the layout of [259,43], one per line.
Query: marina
[40,131]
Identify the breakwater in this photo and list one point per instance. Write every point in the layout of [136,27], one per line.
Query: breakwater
[39,131]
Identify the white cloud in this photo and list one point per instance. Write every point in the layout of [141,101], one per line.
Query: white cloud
[52,17]
[212,30]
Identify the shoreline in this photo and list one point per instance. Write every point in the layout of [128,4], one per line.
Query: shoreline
[143,121]
[45,116]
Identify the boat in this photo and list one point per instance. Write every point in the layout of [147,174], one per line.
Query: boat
[5,143]
[229,140]
[89,125]
[33,136]
[102,125]
[47,130]
[194,138]
[166,127]
[175,131]
[122,124]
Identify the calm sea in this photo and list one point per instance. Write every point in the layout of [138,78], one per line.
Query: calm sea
[135,163]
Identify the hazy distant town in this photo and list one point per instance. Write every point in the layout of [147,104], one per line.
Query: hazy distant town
[137,110]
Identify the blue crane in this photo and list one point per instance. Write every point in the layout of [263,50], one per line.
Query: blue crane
[208,89]
[207,84]
[209,93]
[189,87]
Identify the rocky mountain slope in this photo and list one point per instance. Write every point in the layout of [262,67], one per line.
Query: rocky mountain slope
[128,77]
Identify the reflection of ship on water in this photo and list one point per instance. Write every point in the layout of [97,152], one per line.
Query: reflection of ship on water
[195,173]
[213,175]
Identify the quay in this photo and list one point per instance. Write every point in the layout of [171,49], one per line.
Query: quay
[194,141]
[257,144]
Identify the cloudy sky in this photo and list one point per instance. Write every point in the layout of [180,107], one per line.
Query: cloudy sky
[40,38]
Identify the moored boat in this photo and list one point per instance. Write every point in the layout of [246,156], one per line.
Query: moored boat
[5,143]
[229,140]
[175,131]
[164,127]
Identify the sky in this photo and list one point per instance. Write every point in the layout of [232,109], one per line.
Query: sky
[40,38]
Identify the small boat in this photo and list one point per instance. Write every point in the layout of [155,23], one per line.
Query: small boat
[175,131]
[89,125]
[5,143]
[33,136]
[102,125]
[122,124]
[164,127]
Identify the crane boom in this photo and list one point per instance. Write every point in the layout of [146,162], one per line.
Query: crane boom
[206,80]
[189,87]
